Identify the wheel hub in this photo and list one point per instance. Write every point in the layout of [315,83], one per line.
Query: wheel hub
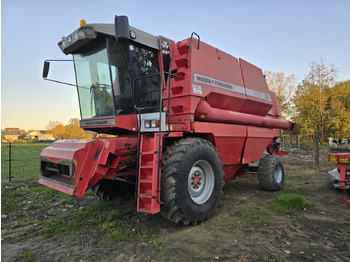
[196,181]
[201,182]
[278,174]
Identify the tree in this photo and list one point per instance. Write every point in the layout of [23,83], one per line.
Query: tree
[313,101]
[74,131]
[52,124]
[284,87]
[59,131]
[341,110]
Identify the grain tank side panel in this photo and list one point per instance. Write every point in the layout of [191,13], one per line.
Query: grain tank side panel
[275,109]
[258,95]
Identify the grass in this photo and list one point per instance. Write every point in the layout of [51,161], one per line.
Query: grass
[28,196]
[158,242]
[27,256]
[56,215]
[288,185]
[249,219]
[117,225]
[25,206]
[229,189]
[106,217]
[119,235]
[25,160]
[289,203]
[100,214]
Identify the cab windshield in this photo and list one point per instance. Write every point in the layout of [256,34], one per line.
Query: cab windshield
[104,79]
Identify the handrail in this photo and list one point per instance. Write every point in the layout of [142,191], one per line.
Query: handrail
[189,46]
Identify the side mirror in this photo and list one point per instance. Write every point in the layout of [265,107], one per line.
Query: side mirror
[46,69]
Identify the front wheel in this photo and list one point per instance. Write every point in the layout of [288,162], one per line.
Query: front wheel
[110,189]
[271,173]
[192,181]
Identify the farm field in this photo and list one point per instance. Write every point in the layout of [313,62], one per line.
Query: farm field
[40,224]
[25,160]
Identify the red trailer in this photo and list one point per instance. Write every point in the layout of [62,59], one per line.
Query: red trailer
[186,116]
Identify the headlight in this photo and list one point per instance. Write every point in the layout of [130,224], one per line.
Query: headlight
[151,123]
[69,39]
[81,34]
[63,44]
[154,123]
[76,36]
[88,31]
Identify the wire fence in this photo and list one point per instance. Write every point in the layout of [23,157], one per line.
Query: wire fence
[19,173]
[20,161]
[290,141]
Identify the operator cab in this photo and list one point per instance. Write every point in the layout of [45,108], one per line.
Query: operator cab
[116,69]
[105,81]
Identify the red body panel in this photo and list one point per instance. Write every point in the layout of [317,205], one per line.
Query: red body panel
[88,161]
[256,87]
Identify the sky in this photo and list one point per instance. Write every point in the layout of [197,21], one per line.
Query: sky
[275,35]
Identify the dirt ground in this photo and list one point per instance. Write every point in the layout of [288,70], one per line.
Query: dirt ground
[243,227]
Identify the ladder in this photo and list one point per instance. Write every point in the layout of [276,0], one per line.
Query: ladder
[148,198]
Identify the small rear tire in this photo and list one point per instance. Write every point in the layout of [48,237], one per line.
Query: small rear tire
[271,173]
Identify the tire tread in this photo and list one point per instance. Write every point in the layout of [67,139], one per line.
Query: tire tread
[171,209]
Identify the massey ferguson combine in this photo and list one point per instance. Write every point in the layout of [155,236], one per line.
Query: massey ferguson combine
[187,118]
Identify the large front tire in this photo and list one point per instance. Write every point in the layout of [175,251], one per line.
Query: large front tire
[271,173]
[192,181]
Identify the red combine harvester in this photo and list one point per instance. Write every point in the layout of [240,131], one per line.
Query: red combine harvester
[187,118]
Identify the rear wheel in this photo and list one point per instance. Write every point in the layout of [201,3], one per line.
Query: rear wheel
[271,173]
[192,181]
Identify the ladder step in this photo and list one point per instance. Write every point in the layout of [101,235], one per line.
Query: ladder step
[145,210]
[176,90]
[145,195]
[180,62]
[148,166]
[183,49]
[146,181]
[177,109]
[149,153]
[181,75]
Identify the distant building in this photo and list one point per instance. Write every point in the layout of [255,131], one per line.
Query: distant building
[12,129]
[42,135]
[12,134]
[16,134]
